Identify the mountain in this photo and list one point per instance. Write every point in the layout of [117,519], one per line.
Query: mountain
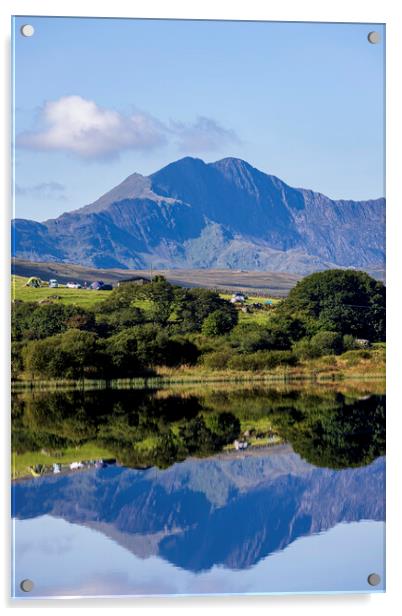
[225,214]
[203,513]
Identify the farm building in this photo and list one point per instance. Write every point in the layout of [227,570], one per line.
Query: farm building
[134,280]
[34,282]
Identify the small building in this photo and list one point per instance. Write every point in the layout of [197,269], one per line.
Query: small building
[140,280]
[34,282]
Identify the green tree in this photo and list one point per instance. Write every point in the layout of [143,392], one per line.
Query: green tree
[336,436]
[162,295]
[225,426]
[343,301]
[69,355]
[32,321]
[80,349]
[217,323]
[193,306]
[44,358]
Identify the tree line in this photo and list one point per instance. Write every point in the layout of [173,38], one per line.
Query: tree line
[138,328]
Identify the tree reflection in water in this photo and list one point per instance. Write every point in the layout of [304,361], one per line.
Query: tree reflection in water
[157,428]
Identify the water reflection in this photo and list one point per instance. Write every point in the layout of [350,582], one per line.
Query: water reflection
[199,516]
[271,519]
[157,428]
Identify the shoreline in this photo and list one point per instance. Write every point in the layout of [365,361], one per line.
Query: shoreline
[19,386]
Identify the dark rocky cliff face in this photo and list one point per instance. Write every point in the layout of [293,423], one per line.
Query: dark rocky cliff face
[225,214]
[198,514]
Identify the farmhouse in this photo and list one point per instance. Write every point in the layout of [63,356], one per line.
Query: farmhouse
[134,280]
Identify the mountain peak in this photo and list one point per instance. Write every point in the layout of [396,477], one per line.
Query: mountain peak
[231,161]
[182,164]
[133,187]
[223,214]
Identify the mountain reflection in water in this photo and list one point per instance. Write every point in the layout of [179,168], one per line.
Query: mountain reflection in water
[218,513]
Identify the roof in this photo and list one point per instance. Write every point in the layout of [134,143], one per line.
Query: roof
[135,278]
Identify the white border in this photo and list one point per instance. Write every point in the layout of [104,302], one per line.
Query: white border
[384,11]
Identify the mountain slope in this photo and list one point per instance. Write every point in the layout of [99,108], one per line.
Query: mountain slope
[225,214]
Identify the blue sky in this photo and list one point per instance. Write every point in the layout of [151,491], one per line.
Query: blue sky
[337,560]
[98,99]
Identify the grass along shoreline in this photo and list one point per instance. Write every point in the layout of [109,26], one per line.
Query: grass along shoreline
[352,365]
[188,378]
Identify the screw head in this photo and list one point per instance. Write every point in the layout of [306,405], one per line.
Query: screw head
[373,37]
[374,579]
[27,30]
[26,585]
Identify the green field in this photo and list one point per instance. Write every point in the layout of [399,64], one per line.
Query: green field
[256,315]
[21,462]
[87,298]
[79,297]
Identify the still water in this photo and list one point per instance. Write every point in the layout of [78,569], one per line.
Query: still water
[304,514]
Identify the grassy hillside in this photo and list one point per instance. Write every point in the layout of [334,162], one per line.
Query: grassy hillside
[87,298]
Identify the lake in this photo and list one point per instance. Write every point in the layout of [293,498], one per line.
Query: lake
[175,508]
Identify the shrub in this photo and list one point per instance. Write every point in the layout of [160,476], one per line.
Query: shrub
[217,323]
[354,357]
[326,343]
[217,360]
[303,349]
[69,355]
[348,342]
[32,321]
[251,337]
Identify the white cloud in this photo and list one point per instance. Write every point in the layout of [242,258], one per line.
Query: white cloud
[79,126]
[203,135]
[44,190]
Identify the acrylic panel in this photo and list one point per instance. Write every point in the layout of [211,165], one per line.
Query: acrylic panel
[198,307]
